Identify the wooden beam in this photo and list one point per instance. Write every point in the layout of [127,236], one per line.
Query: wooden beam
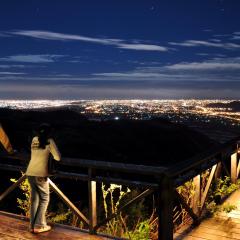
[197,194]
[186,207]
[126,182]
[68,202]
[205,193]
[137,198]
[205,157]
[165,209]
[12,168]
[12,187]
[238,169]
[234,168]
[92,198]
[97,164]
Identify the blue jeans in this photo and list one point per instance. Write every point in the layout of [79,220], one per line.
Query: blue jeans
[39,200]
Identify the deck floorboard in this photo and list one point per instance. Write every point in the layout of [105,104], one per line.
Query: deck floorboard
[224,226]
[15,227]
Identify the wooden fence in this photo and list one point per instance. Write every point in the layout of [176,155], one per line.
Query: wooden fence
[159,180]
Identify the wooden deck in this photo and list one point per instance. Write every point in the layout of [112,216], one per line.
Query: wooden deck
[222,227]
[12,227]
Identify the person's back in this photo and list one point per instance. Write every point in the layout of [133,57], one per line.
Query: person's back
[38,165]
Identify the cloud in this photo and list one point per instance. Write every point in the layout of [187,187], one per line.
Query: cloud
[132,74]
[215,40]
[237,37]
[205,66]
[217,69]
[200,43]
[4,35]
[211,54]
[119,43]
[12,66]
[11,73]
[39,58]
[146,47]
[227,65]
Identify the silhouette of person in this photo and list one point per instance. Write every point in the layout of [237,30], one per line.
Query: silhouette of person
[37,173]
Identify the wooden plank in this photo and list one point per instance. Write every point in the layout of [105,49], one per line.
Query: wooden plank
[22,220]
[165,209]
[238,169]
[179,237]
[210,236]
[92,198]
[192,163]
[19,229]
[96,164]
[225,223]
[185,205]
[197,194]
[12,187]
[214,233]
[6,237]
[68,202]
[234,168]
[221,228]
[205,193]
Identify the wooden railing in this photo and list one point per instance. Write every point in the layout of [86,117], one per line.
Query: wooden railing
[159,180]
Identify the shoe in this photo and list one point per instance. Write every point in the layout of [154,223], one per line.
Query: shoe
[42,229]
[30,229]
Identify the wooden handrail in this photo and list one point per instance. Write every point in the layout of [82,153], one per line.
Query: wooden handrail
[174,170]
[100,165]
[191,163]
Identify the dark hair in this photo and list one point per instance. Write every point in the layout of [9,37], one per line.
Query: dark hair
[43,134]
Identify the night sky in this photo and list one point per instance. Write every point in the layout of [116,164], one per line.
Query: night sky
[121,49]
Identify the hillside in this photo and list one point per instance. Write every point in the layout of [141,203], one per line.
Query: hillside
[153,142]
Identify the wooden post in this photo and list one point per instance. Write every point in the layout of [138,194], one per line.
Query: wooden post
[92,198]
[165,209]
[234,168]
[197,194]
[206,190]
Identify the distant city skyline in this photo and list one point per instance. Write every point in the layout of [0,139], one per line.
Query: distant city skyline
[138,49]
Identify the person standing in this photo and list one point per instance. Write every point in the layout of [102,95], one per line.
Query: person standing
[5,140]
[37,173]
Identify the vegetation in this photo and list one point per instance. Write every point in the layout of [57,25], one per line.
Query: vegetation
[187,191]
[24,203]
[220,188]
[113,197]
[135,223]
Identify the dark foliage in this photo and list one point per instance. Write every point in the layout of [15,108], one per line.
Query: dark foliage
[153,142]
